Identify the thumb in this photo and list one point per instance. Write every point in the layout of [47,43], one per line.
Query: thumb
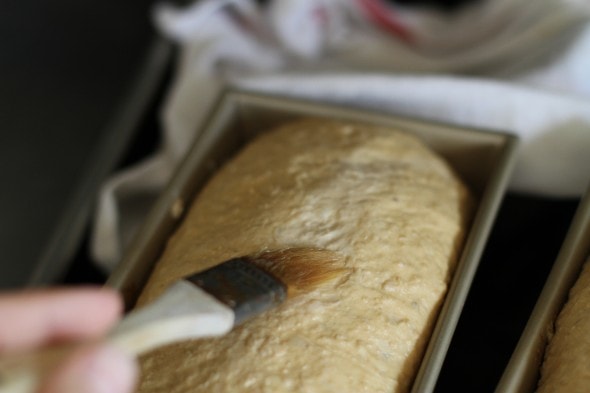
[100,369]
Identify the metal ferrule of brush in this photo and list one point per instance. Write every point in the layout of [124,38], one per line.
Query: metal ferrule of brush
[245,288]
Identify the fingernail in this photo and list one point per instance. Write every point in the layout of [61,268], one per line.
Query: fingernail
[98,370]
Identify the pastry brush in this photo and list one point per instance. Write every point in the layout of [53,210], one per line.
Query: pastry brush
[206,304]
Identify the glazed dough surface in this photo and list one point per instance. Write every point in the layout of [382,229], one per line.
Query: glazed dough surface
[391,207]
[567,361]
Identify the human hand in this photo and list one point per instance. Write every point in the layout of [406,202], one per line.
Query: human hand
[31,320]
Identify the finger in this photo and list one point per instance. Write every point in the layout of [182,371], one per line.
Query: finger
[94,370]
[34,318]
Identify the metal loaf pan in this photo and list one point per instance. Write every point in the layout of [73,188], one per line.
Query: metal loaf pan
[483,159]
[523,370]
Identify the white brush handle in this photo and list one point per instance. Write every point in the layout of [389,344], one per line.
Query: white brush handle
[183,312]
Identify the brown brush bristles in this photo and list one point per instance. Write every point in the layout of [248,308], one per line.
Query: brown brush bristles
[300,269]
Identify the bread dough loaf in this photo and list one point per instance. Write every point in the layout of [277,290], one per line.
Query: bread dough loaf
[388,204]
[567,359]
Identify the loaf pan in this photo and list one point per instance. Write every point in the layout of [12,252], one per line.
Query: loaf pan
[483,159]
[523,370]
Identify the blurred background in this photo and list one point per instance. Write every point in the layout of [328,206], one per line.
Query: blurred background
[80,85]
[67,70]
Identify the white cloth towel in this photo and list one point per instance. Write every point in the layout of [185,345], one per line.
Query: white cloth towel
[510,65]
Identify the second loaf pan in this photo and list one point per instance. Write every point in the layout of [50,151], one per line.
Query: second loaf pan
[484,161]
[523,370]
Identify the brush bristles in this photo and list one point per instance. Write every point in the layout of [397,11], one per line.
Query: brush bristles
[300,269]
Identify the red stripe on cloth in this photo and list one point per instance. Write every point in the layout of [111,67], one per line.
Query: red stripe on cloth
[386,19]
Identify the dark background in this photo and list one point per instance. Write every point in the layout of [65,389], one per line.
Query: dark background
[68,74]
[66,68]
